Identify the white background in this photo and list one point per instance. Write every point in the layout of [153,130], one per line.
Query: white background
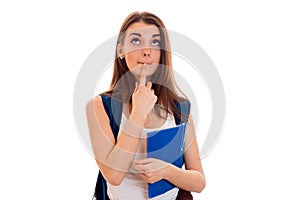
[254,45]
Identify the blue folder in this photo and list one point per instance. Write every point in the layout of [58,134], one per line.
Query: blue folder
[166,145]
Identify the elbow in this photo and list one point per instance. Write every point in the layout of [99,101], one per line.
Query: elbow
[115,182]
[201,186]
[115,179]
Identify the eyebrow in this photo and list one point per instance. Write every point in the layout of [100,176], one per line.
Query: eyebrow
[140,35]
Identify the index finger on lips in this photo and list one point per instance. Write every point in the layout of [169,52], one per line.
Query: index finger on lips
[143,75]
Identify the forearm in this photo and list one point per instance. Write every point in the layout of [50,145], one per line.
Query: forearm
[121,155]
[190,180]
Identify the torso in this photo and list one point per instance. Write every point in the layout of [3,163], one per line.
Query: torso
[133,186]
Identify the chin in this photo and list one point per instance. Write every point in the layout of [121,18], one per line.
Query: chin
[138,72]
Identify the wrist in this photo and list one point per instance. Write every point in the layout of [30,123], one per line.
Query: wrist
[132,129]
[170,171]
[138,118]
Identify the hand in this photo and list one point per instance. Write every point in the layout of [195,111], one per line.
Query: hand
[143,98]
[151,169]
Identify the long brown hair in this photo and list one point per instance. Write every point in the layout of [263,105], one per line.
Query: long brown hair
[168,93]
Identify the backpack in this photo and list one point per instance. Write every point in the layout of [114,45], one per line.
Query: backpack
[113,109]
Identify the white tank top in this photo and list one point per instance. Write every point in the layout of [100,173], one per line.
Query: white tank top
[133,186]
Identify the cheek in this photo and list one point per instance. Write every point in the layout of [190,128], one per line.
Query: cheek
[155,56]
[131,60]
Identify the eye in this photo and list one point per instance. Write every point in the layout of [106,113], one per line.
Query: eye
[135,41]
[156,43]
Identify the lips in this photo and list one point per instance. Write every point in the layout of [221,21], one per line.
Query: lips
[144,63]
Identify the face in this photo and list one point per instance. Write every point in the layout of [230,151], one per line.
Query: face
[142,46]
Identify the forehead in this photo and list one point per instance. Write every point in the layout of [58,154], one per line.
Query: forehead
[142,28]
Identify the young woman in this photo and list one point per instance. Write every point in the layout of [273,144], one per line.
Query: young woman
[144,84]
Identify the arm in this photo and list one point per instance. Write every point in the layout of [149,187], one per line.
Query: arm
[190,179]
[113,158]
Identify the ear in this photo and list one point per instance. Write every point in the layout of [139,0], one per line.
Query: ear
[120,51]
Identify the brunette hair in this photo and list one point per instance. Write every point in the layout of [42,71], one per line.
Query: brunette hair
[168,93]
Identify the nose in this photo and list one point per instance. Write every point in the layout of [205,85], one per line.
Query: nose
[146,52]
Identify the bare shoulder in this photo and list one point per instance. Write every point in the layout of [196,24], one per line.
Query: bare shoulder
[95,107]
[94,100]
[98,121]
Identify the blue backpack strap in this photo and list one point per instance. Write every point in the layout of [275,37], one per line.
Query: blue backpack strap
[113,109]
[184,109]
